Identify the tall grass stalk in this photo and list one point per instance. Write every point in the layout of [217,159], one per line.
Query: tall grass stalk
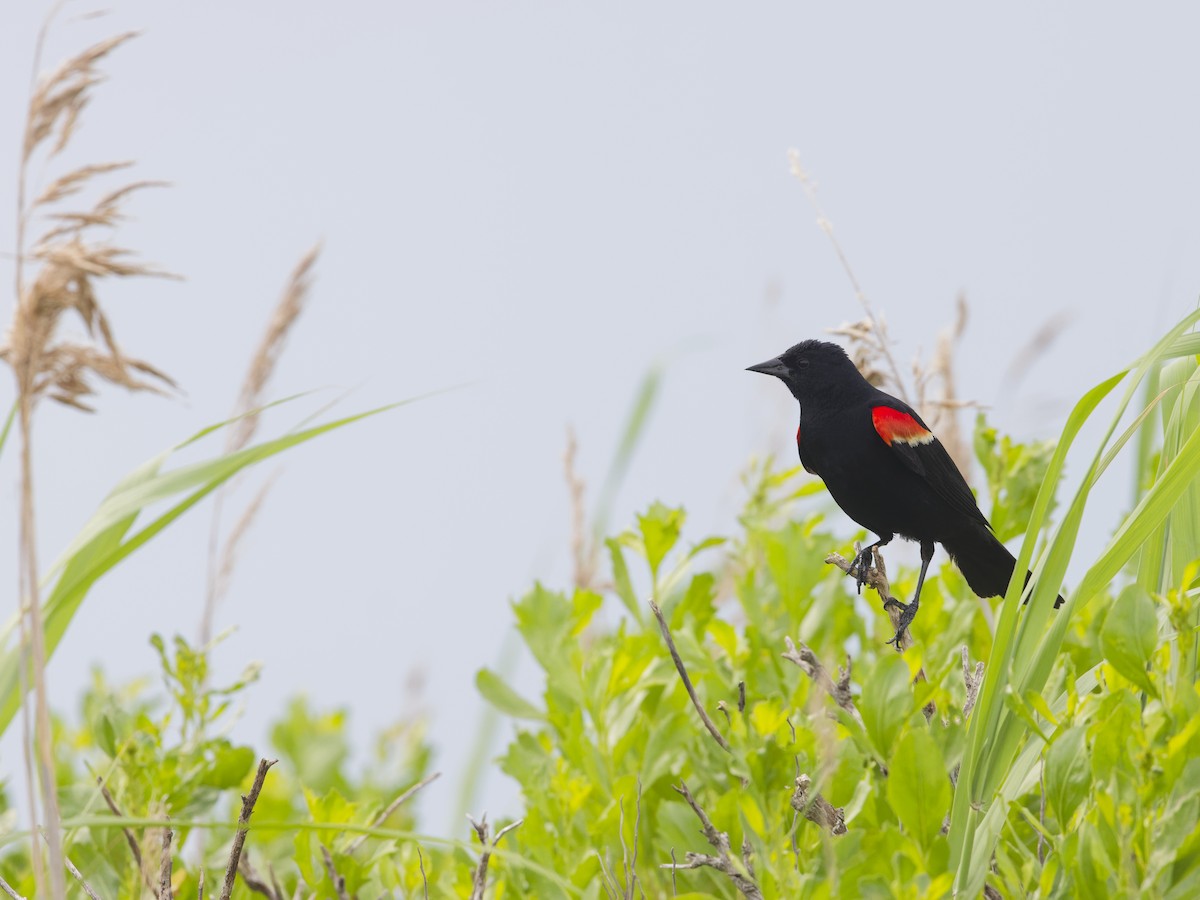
[1029,638]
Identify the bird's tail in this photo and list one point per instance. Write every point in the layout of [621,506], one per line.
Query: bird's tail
[985,562]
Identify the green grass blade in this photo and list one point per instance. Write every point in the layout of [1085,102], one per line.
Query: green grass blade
[104,542]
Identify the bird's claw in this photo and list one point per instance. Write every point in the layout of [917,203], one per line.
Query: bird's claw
[862,565]
[908,612]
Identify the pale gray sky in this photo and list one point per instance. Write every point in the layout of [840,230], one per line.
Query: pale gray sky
[542,200]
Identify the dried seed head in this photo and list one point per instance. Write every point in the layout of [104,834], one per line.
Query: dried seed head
[73,255]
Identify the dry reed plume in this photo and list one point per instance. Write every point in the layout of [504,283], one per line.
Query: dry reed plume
[73,255]
[251,397]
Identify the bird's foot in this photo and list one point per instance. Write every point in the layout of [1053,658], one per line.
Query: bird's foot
[862,566]
[908,612]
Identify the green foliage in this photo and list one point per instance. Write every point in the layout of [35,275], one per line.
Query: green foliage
[1076,772]
[1014,474]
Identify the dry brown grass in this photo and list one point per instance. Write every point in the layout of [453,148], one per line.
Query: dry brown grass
[222,557]
[72,256]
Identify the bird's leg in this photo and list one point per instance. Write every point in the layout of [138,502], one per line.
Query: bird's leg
[909,611]
[863,560]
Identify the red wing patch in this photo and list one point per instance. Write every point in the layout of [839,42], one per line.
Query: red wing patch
[894,426]
[797,435]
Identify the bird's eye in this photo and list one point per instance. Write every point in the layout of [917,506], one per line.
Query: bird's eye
[802,364]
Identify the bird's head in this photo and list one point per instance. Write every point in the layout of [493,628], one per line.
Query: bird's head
[814,371]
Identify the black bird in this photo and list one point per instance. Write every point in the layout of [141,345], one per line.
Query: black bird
[887,471]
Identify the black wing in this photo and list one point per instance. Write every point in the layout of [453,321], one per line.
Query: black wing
[915,445]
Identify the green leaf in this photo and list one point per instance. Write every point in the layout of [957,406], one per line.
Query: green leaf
[918,786]
[660,528]
[1067,774]
[887,700]
[504,698]
[230,765]
[1130,635]
[622,583]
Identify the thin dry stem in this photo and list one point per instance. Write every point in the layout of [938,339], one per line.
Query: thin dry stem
[130,838]
[734,869]
[391,808]
[482,831]
[339,882]
[687,682]
[239,839]
[75,873]
[8,889]
[424,880]
[164,877]
[229,553]
[253,881]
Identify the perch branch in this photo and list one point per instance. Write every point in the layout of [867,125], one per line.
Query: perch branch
[687,682]
[876,577]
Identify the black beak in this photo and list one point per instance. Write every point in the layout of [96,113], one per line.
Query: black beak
[770,367]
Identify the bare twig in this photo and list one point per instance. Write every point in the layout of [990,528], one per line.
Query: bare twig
[817,809]
[255,882]
[200,886]
[339,882]
[391,808]
[424,880]
[130,837]
[687,682]
[807,660]
[733,868]
[164,872]
[239,839]
[973,681]
[482,831]
[741,696]
[8,889]
[87,888]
